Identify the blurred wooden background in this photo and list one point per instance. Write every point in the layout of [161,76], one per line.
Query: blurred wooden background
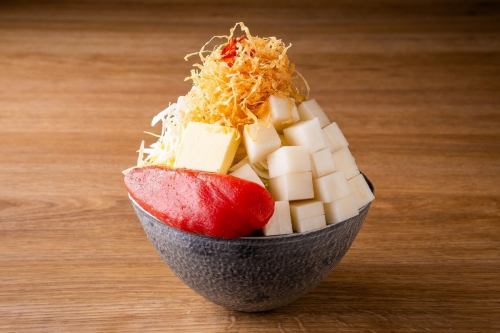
[414,84]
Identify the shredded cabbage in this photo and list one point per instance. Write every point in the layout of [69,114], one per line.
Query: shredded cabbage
[163,151]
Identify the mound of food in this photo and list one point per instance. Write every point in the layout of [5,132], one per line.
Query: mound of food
[249,115]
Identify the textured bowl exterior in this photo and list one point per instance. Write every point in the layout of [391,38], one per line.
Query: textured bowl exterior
[252,273]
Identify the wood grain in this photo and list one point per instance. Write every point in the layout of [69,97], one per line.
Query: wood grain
[415,86]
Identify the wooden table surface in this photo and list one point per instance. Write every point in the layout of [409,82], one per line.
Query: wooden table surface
[415,86]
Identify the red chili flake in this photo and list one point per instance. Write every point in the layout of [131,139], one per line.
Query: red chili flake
[229,51]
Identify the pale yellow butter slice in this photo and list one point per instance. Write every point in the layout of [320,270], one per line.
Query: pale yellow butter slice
[207,147]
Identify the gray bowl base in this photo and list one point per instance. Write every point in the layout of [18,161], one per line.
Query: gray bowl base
[252,274]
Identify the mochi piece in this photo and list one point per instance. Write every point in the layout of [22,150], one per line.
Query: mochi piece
[304,209]
[282,111]
[281,222]
[288,159]
[344,161]
[322,163]
[361,191]
[246,172]
[309,224]
[331,187]
[341,209]
[307,134]
[310,109]
[334,137]
[293,186]
[260,140]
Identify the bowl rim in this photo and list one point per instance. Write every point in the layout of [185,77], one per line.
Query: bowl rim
[295,235]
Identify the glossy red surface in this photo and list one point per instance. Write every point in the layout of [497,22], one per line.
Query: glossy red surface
[201,202]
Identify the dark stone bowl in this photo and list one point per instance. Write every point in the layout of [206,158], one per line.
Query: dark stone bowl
[252,273]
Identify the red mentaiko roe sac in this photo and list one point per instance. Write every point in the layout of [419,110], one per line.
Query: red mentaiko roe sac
[201,202]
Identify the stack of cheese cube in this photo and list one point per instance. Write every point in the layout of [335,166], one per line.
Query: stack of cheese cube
[313,176]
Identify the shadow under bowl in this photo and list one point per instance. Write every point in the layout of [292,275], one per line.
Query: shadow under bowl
[252,273]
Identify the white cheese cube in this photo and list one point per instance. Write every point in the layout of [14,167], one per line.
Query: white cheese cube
[207,147]
[260,140]
[282,111]
[344,161]
[281,222]
[307,134]
[322,163]
[305,209]
[361,191]
[310,109]
[288,159]
[310,223]
[246,172]
[331,187]
[341,209]
[293,186]
[334,137]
